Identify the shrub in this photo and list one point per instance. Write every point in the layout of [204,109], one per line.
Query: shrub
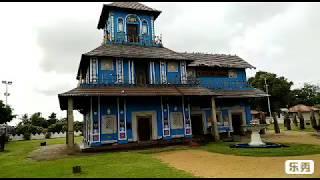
[27,136]
[48,135]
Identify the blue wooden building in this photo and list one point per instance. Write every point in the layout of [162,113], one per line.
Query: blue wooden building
[133,89]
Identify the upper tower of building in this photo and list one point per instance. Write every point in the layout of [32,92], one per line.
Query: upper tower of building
[129,23]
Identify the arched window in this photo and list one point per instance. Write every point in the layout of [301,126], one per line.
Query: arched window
[120,25]
[144,27]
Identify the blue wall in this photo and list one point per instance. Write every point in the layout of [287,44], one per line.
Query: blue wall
[122,14]
[225,82]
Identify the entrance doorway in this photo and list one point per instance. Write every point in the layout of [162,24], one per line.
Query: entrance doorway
[236,123]
[144,128]
[197,125]
[132,32]
[142,71]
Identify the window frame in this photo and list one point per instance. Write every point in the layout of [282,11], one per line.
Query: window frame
[144,22]
[118,29]
[177,66]
[103,63]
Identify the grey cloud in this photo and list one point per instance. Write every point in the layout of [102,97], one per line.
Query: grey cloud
[64,42]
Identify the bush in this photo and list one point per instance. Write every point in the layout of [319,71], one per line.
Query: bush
[27,136]
[48,135]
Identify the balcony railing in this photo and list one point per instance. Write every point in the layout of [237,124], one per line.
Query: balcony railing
[226,85]
[116,81]
[190,82]
[143,40]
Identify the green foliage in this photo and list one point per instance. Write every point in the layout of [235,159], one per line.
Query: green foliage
[48,135]
[5,113]
[26,136]
[78,126]
[37,120]
[309,95]
[279,89]
[52,119]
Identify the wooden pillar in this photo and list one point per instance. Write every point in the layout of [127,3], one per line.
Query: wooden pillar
[70,132]
[214,129]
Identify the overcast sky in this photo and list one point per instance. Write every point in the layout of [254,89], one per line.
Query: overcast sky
[41,43]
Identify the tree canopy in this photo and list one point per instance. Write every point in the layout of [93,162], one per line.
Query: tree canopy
[278,88]
[5,113]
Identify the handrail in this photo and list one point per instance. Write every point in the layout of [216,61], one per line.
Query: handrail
[142,39]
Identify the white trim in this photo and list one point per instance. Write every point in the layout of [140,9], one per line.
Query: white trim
[154,73]
[163,72]
[118,24]
[143,20]
[99,124]
[91,119]
[191,119]
[154,128]
[125,25]
[177,136]
[150,72]
[183,72]
[132,72]
[129,71]
[108,141]
[184,117]
[125,116]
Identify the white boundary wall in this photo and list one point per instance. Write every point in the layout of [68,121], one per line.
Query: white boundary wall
[19,137]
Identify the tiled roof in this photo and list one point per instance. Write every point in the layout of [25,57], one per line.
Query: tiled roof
[137,91]
[130,6]
[132,91]
[240,93]
[132,51]
[219,60]
[302,108]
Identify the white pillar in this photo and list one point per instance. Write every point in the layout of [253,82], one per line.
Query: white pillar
[214,130]
[70,135]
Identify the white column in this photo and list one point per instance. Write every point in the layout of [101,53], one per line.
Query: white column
[214,130]
[70,133]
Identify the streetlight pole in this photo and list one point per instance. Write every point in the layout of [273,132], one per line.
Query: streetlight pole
[6,93]
[265,82]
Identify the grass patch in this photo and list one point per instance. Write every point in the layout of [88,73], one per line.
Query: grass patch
[14,163]
[293,150]
[308,128]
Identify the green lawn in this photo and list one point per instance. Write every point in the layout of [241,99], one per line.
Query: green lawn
[14,163]
[293,150]
[308,128]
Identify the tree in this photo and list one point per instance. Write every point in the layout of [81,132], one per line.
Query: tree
[308,95]
[52,119]
[278,88]
[5,113]
[37,120]
[78,126]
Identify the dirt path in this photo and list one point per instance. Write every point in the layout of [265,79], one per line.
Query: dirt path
[206,164]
